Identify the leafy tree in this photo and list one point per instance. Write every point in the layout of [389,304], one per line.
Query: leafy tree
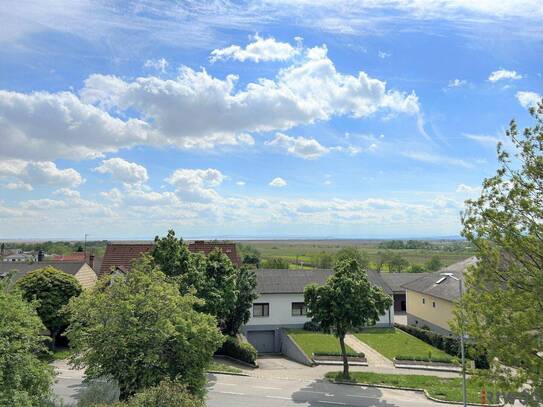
[348,300]
[383,258]
[250,255]
[398,263]
[349,253]
[25,379]
[323,260]
[434,264]
[172,255]
[275,263]
[503,306]
[245,296]
[417,268]
[53,289]
[139,330]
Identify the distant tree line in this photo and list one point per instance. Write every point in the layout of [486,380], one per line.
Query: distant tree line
[425,245]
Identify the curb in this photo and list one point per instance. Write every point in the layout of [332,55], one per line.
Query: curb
[429,368]
[240,362]
[384,386]
[228,373]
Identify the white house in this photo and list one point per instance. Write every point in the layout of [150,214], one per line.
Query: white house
[280,304]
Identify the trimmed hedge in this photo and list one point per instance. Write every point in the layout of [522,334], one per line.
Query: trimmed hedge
[237,349]
[436,359]
[349,354]
[450,345]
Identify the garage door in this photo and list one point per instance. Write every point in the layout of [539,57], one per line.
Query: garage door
[263,341]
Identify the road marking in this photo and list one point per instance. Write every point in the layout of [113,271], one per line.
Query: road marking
[279,397]
[355,395]
[266,388]
[311,391]
[231,392]
[332,402]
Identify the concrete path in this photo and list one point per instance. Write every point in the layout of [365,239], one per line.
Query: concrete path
[375,359]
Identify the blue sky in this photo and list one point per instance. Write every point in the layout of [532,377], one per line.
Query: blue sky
[356,119]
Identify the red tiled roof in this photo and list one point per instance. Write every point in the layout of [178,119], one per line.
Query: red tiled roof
[78,256]
[122,254]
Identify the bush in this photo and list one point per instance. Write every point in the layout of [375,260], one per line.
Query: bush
[312,326]
[236,349]
[349,354]
[437,359]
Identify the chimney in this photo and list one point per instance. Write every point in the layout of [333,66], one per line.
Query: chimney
[91,261]
[41,255]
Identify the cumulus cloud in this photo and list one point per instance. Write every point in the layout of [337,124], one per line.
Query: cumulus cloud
[383,54]
[47,173]
[502,74]
[306,148]
[457,83]
[18,185]
[158,64]
[528,99]
[123,171]
[196,185]
[278,182]
[43,204]
[261,49]
[463,188]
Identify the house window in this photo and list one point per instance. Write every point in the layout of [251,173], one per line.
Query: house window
[261,310]
[298,309]
[433,304]
[424,300]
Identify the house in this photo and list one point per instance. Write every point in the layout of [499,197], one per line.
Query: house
[19,257]
[396,282]
[120,255]
[280,304]
[431,298]
[79,269]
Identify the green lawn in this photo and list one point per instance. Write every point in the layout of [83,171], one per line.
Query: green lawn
[312,342]
[391,342]
[223,367]
[447,389]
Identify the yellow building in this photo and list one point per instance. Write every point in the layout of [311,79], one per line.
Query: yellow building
[431,299]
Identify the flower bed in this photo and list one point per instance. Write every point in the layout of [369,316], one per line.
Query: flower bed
[333,357]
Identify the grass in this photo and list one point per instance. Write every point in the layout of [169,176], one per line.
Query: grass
[391,342]
[223,367]
[446,389]
[315,342]
[60,353]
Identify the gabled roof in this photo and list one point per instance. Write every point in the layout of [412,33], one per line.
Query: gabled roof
[21,269]
[286,281]
[447,288]
[201,246]
[396,280]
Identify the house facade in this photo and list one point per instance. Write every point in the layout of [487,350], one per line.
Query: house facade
[280,305]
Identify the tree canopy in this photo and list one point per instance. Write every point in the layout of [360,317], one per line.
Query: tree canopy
[352,253]
[25,379]
[503,306]
[348,300]
[139,330]
[53,289]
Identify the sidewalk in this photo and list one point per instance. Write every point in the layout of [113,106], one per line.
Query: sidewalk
[375,359]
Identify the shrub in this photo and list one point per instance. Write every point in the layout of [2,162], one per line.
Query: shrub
[349,354]
[237,349]
[312,326]
[437,359]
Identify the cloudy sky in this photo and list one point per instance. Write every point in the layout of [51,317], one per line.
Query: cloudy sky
[257,118]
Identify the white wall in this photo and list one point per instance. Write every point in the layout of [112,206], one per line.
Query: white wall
[281,311]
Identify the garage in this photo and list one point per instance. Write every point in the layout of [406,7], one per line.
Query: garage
[263,341]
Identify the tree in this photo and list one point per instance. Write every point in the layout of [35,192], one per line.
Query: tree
[53,289]
[275,263]
[323,260]
[398,263]
[417,268]
[345,302]
[245,296]
[138,329]
[172,255]
[25,379]
[434,264]
[350,252]
[249,254]
[383,258]
[503,306]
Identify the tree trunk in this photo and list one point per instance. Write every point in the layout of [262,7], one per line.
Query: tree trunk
[344,356]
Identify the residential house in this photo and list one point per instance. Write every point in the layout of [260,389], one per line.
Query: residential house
[120,255]
[19,257]
[431,298]
[280,304]
[396,282]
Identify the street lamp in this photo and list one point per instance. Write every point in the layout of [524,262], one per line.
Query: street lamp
[451,275]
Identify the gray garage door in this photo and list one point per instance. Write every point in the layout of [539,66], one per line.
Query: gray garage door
[263,341]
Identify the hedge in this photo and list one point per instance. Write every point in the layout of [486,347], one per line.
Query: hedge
[349,354]
[437,359]
[237,349]
[450,345]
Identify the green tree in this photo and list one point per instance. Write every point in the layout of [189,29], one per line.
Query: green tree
[348,253]
[382,259]
[25,379]
[398,263]
[434,264]
[323,260]
[172,255]
[245,296]
[53,289]
[348,300]
[276,263]
[503,307]
[139,330]
[417,268]
[249,254]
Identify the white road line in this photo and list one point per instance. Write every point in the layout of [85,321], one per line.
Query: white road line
[231,392]
[355,395]
[312,391]
[279,397]
[332,402]
[266,388]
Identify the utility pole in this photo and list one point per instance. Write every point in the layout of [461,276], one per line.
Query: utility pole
[85,247]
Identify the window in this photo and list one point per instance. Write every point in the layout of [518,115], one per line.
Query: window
[433,304]
[424,300]
[298,309]
[261,310]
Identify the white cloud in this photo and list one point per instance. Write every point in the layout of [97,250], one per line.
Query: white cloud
[240,183]
[457,83]
[47,173]
[196,185]
[528,99]
[483,138]
[504,74]
[278,182]
[18,185]
[158,64]
[261,49]
[383,54]
[43,204]
[123,171]
[436,159]
[463,188]
[306,148]
[68,193]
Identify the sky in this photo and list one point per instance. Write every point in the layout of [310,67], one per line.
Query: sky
[270,119]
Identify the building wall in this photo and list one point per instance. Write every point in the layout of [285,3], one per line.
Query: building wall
[420,314]
[86,276]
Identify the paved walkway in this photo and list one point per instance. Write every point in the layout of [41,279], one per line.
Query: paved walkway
[375,359]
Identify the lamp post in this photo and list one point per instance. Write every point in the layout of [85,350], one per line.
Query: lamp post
[464,390]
